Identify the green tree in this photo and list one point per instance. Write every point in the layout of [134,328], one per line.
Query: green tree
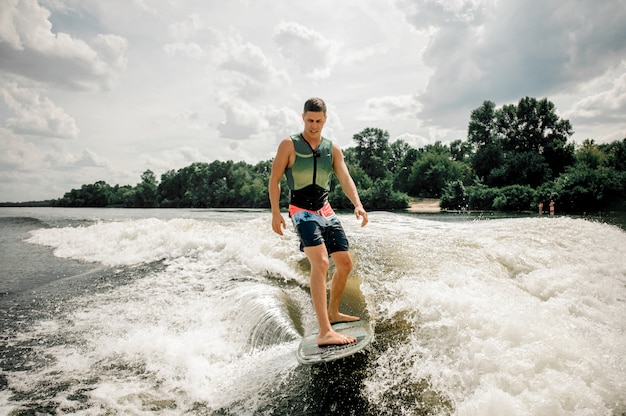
[438,148]
[121,196]
[616,154]
[403,172]
[514,158]
[482,135]
[591,184]
[522,144]
[460,150]
[454,196]
[382,196]
[534,127]
[583,189]
[89,195]
[145,195]
[514,198]
[397,153]
[430,174]
[362,181]
[197,193]
[373,152]
[525,168]
[261,173]
[482,129]
[487,164]
[171,190]
[481,197]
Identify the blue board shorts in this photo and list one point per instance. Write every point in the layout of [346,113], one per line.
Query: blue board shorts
[319,227]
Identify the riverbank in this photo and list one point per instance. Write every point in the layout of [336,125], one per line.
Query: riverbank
[427,205]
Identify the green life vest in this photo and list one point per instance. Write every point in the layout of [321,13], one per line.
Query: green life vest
[309,177]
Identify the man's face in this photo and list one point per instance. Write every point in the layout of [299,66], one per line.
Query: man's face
[313,123]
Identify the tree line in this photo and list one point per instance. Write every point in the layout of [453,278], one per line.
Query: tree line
[514,158]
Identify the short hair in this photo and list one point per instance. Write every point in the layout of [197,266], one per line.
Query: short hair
[315,104]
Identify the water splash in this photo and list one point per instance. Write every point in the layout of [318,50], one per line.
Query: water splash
[521,316]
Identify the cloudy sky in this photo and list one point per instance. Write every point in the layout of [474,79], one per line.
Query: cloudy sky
[105,89]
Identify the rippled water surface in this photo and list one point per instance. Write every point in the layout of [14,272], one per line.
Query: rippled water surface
[200,312]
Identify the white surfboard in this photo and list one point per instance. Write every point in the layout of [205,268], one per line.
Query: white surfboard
[310,353]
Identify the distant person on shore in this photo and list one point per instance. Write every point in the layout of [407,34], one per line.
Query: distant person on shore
[540,208]
[551,207]
[307,160]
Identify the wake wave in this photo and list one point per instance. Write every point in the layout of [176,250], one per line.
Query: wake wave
[521,315]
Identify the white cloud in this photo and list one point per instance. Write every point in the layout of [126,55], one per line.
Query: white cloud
[246,69]
[110,61]
[242,120]
[503,51]
[313,53]
[245,121]
[19,186]
[36,115]
[190,50]
[17,154]
[244,75]
[45,170]
[24,24]
[30,48]
[168,159]
[400,107]
[188,36]
[186,29]
[160,84]
[426,14]
[362,55]
[143,5]
[606,105]
[67,160]
[414,140]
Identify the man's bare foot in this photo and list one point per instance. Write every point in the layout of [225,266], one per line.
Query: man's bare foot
[342,317]
[334,338]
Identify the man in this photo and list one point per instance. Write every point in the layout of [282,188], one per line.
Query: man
[307,159]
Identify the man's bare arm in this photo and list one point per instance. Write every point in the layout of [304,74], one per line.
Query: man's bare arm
[280,164]
[347,184]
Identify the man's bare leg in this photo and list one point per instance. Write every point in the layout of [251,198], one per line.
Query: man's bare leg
[343,266]
[318,257]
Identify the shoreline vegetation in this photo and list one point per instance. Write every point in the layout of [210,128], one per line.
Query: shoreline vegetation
[516,158]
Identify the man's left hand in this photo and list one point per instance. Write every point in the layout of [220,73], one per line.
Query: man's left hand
[361,215]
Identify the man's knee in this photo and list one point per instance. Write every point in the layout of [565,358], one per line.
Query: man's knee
[343,260]
[318,257]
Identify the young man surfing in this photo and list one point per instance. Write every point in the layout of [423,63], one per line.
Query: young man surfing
[307,160]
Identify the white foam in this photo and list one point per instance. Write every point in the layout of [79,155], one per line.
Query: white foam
[522,316]
[187,328]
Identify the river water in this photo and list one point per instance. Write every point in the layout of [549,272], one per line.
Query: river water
[183,312]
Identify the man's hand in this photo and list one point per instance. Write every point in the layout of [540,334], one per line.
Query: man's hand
[361,215]
[278,223]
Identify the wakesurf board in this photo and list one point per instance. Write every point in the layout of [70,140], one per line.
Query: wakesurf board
[310,353]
